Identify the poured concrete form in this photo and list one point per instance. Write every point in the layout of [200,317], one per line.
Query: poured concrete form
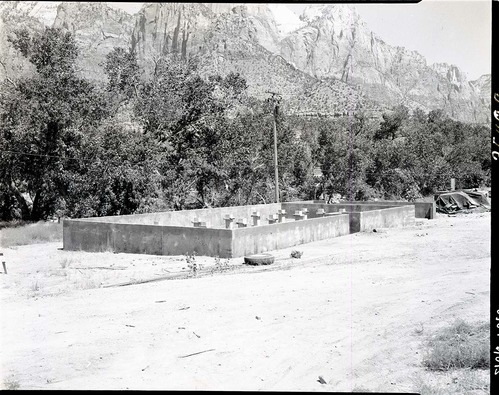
[365,216]
[229,231]
[426,210]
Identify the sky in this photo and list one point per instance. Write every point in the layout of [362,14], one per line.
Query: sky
[443,31]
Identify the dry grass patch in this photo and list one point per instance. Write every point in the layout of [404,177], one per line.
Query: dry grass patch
[457,360]
[461,345]
[90,280]
[360,389]
[40,232]
[456,382]
[66,262]
[10,384]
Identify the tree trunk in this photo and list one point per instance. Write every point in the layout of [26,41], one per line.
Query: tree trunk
[36,213]
[25,211]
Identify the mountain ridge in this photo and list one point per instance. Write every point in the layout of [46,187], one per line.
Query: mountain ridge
[333,47]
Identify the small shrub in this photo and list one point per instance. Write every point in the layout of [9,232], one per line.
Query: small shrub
[193,266]
[296,254]
[65,262]
[218,261]
[35,286]
[461,345]
[83,281]
[88,283]
[219,265]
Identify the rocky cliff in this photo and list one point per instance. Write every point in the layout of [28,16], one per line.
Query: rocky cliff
[327,61]
[335,42]
[13,15]
[483,88]
[242,39]
[97,29]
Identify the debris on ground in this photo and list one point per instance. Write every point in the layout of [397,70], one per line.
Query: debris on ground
[259,259]
[196,353]
[461,201]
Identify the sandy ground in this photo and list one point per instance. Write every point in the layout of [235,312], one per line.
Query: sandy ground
[355,310]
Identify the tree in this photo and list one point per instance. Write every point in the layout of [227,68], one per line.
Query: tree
[119,174]
[123,73]
[188,115]
[392,121]
[344,154]
[52,51]
[44,120]
[425,153]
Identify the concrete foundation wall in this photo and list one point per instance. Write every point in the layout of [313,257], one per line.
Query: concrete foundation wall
[393,217]
[264,238]
[331,208]
[422,209]
[215,216]
[202,241]
[146,239]
[87,236]
[363,216]
[172,233]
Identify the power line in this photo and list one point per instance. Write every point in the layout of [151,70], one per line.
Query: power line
[42,155]
[53,156]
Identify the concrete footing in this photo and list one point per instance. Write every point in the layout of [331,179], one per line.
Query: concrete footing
[215,232]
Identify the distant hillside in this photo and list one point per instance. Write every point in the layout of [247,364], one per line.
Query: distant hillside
[327,62]
[335,42]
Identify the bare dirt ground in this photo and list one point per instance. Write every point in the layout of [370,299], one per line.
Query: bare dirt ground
[355,310]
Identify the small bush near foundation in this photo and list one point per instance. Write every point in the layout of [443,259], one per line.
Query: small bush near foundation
[65,262]
[86,280]
[220,265]
[35,286]
[40,232]
[88,283]
[462,345]
[296,254]
[193,266]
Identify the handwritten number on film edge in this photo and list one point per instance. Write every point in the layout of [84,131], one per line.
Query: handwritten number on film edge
[495,154]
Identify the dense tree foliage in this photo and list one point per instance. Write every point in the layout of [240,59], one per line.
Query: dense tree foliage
[176,139]
[44,121]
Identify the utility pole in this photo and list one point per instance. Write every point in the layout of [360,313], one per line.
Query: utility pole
[276,98]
